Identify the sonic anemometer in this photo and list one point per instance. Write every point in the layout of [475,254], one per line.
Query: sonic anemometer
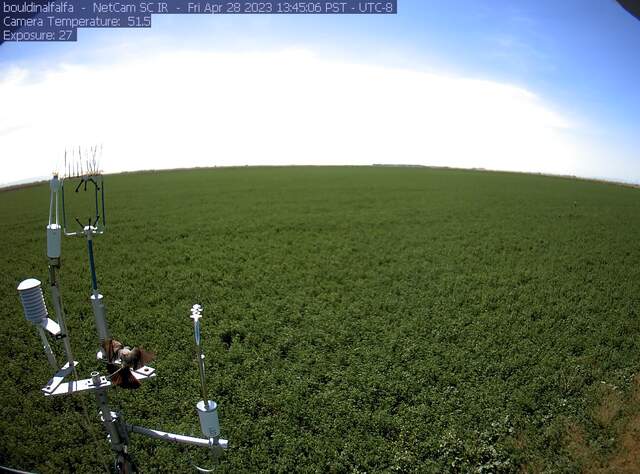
[124,366]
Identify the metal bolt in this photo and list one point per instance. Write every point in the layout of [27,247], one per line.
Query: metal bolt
[95,378]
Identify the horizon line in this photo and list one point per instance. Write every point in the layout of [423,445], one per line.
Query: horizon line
[35,181]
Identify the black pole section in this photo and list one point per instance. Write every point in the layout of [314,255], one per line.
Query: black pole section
[92,265]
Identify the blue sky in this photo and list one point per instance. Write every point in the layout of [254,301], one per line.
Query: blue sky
[575,65]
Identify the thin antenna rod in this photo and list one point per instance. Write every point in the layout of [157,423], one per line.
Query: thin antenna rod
[196,315]
[92,265]
[104,217]
[52,196]
[57,221]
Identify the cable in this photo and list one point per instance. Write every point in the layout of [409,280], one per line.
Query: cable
[17,471]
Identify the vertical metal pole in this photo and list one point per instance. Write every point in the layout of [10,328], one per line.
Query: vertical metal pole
[47,349]
[108,421]
[57,222]
[196,315]
[96,196]
[59,309]
[96,298]
[104,215]
[51,198]
[115,428]
[203,385]
[64,212]
[92,265]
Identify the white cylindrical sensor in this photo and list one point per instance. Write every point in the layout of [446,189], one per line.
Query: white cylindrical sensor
[100,317]
[209,423]
[54,240]
[32,299]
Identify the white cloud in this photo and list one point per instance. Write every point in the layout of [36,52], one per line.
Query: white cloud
[203,109]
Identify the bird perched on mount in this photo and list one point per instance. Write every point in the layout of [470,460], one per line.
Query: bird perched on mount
[121,360]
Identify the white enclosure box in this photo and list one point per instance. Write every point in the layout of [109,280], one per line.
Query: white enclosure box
[54,240]
[209,419]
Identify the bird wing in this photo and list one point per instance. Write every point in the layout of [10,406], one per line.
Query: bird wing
[137,358]
[125,379]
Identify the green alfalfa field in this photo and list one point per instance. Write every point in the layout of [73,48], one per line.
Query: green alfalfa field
[356,319]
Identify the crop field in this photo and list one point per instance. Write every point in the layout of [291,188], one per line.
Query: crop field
[356,319]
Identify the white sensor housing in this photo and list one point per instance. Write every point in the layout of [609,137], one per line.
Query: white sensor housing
[33,301]
[209,419]
[54,240]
